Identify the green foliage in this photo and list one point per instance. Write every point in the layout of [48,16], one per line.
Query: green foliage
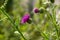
[41,26]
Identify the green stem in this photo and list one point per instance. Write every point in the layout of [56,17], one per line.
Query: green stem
[54,21]
[4,4]
[40,3]
[14,26]
[43,34]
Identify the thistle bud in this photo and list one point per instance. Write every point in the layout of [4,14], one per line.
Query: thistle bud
[29,21]
[41,10]
[52,1]
[36,10]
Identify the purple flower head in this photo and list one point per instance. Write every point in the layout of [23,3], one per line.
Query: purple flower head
[25,18]
[36,10]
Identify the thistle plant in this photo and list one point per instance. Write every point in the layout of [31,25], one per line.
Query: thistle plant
[37,23]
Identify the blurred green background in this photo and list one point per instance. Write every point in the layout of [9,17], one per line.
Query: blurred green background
[40,22]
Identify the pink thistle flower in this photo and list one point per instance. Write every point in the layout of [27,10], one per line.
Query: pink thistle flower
[36,10]
[25,18]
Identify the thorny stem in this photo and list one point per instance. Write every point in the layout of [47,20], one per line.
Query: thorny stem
[4,4]
[43,34]
[14,26]
[54,21]
[53,17]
